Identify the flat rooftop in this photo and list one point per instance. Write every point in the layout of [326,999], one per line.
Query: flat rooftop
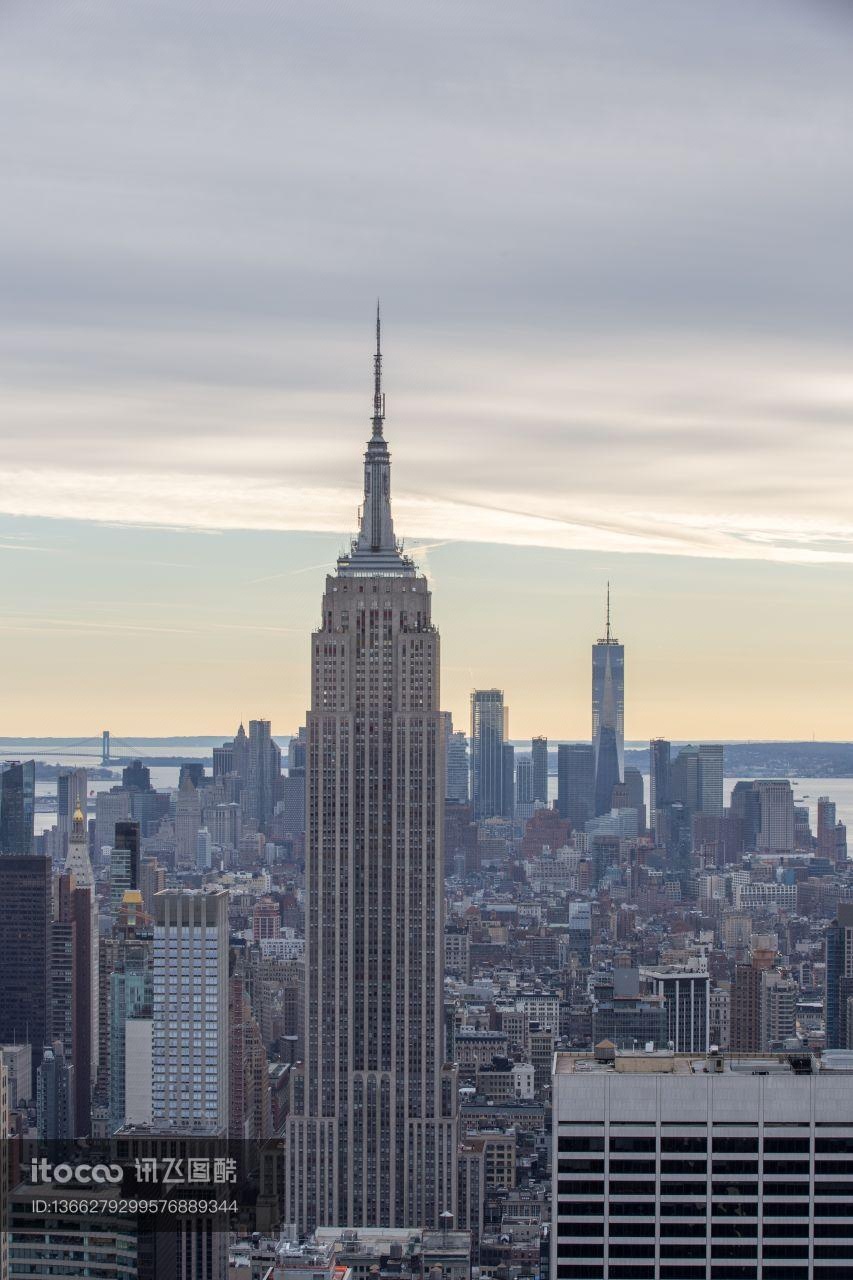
[665,1062]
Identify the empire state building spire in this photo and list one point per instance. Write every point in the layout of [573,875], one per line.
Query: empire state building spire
[376,549]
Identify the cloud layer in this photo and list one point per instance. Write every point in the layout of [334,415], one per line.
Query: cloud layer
[612,248]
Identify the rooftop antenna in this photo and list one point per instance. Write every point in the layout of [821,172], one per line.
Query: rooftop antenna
[607,632]
[378,394]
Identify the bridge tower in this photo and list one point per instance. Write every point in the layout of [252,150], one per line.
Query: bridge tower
[105,747]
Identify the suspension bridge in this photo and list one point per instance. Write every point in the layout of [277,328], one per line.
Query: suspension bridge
[112,751]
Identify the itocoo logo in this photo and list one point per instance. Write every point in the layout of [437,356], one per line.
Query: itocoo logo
[87,1174]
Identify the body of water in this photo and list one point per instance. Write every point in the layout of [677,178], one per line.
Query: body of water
[806,790]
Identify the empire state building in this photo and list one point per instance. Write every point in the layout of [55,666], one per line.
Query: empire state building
[371,1138]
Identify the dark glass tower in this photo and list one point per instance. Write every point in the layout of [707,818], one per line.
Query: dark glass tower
[17,807]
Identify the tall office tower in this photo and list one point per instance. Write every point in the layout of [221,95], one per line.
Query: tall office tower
[745,804]
[488,736]
[74,988]
[711,779]
[839,979]
[240,754]
[523,789]
[187,823]
[130,1002]
[110,807]
[539,754]
[826,823]
[293,787]
[4,1167]
[223,760]
[803,840]
[152,880]
[636,790]
[190,1011]
[228,826]
[457,764]
[204,850]
[777,815]
[62,1012]
[372,1134]
[686,994]
[684,779]
[779,996]
[608,714]
[660,762]
[264,774]
[745,1009]
[17,806]
[136,776]
[71,791]
[55,1096]
[508,783]
[124,862]
[576,782]
[676,1167]
[25,913]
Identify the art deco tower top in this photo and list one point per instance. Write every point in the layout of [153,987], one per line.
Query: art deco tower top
[376,550]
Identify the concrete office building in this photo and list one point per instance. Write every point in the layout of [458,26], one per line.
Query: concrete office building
[668,1167]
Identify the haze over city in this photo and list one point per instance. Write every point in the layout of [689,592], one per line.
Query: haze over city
[612,260]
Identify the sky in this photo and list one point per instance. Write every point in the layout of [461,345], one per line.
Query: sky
[612,246]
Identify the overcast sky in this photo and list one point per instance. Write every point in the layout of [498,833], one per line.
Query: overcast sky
[612,241]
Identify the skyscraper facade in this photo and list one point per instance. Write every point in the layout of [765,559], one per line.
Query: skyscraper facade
[539,755]
[264,774]
[488,737]
[608,715]
[776,833]
[576,782]
[17,807]
[457,764]
[660,762]
[371,1139]
[71,791]
[190,1008]
[839,979]
[25,915]
[711,779]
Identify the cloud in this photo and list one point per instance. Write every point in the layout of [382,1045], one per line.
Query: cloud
[612,251]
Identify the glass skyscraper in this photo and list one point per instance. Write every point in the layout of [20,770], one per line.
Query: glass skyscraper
[608,715]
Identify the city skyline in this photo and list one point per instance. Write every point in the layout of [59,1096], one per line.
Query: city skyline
[639,372]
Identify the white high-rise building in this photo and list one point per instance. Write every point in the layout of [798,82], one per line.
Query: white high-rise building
[372,1134]
[776,833]
[189,1087]
[686,993]
[711,779]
